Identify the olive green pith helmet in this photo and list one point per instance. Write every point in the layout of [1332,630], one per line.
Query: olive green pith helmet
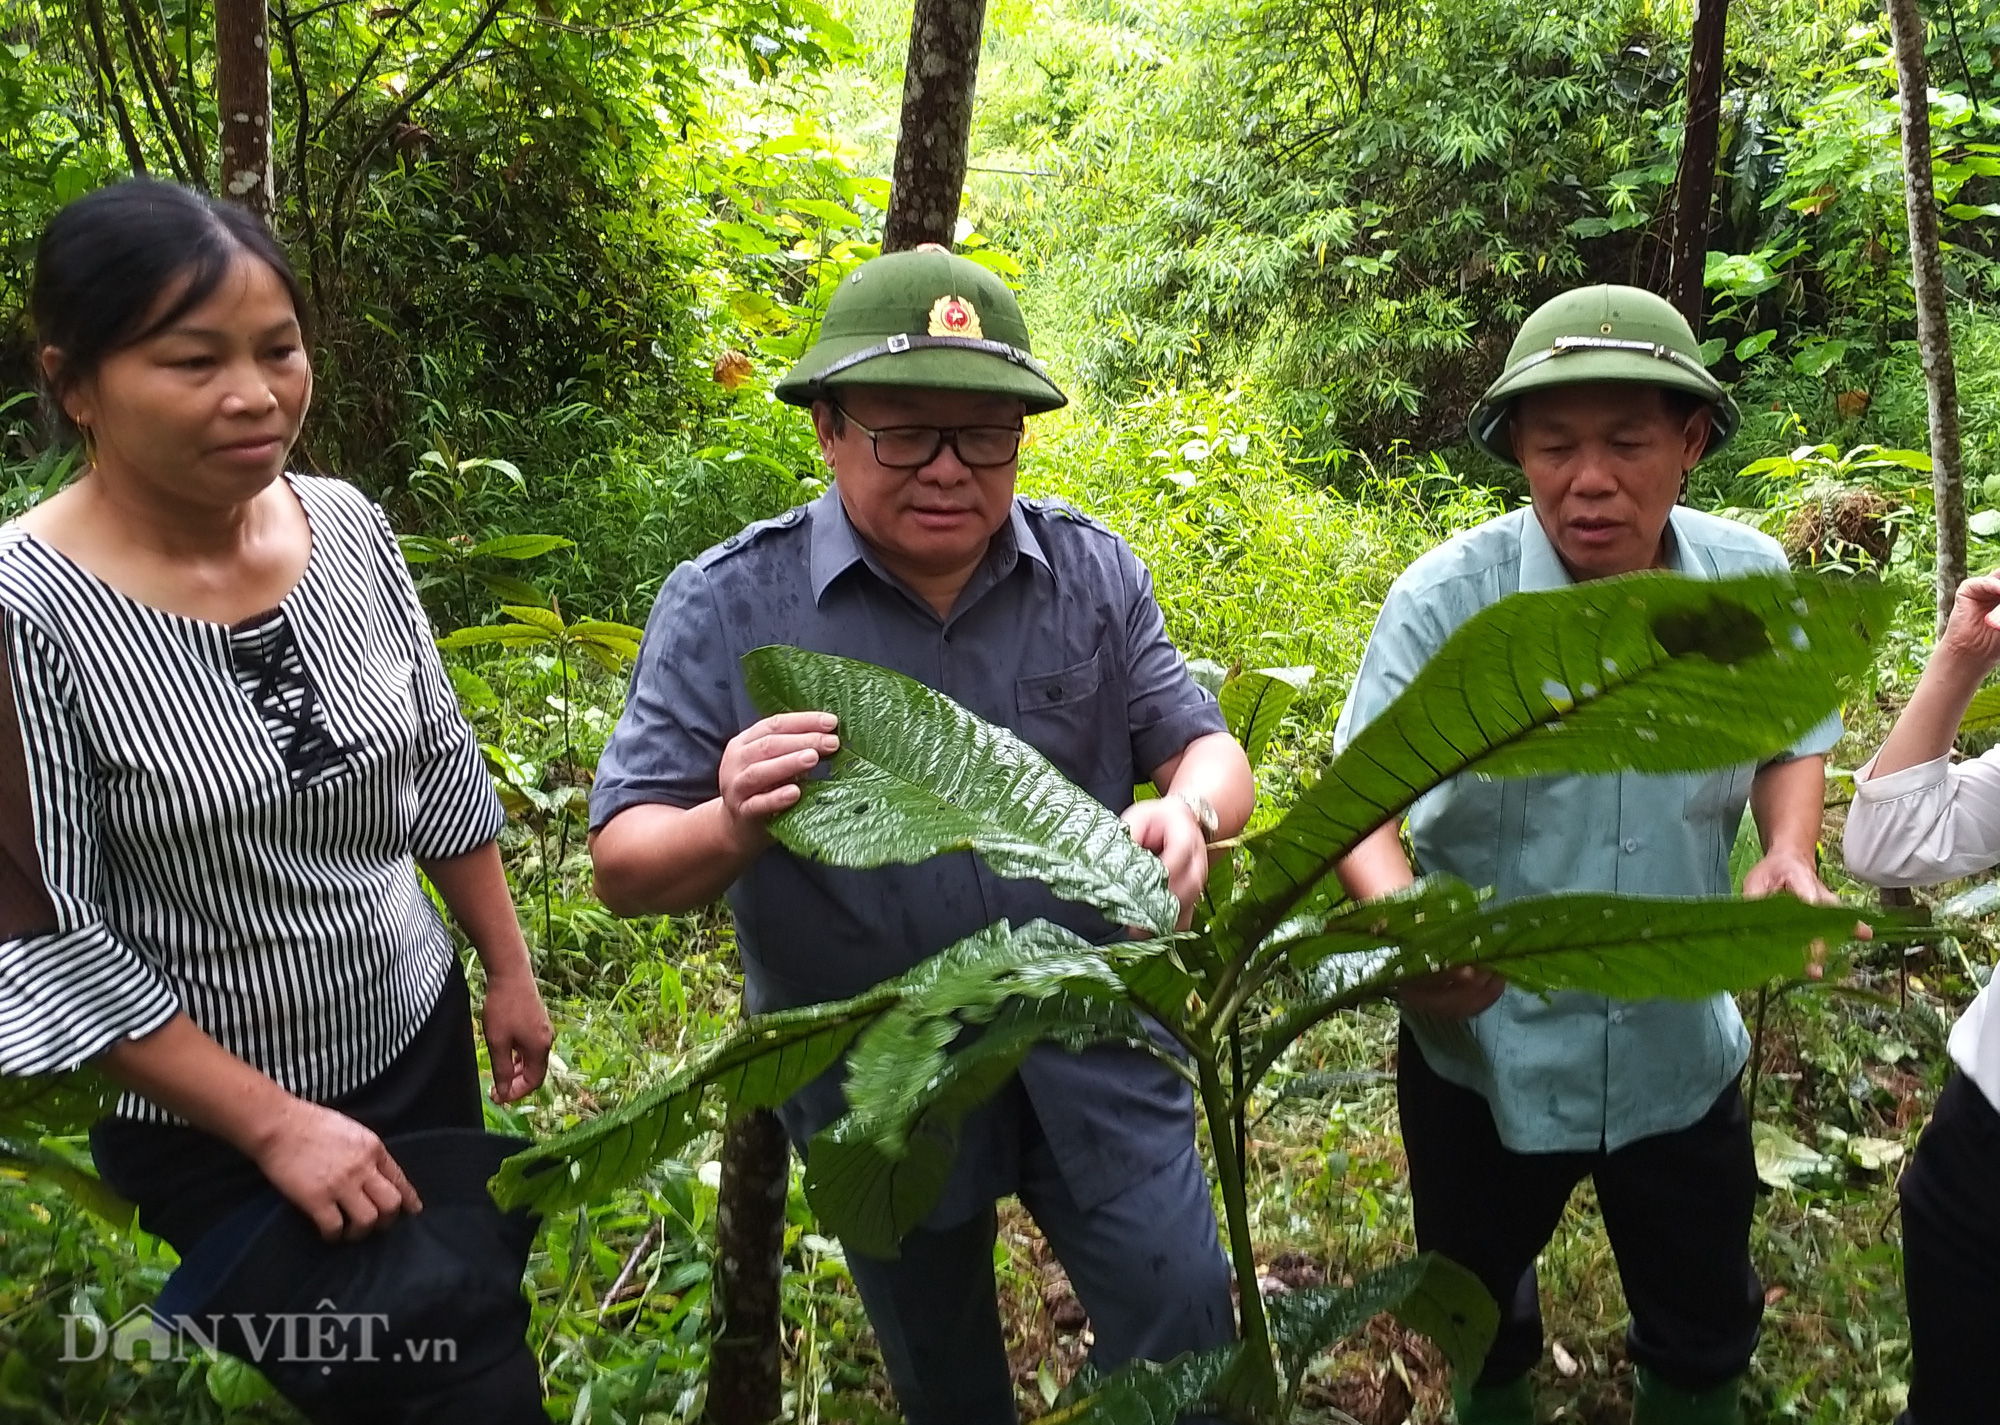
[1619,334]
[925,319]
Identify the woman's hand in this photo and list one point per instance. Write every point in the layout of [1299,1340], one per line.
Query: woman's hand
[1972,634]
[333,1170]
[518,1034]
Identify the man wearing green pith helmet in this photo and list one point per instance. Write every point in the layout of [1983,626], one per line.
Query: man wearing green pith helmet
[1509,1100]
[1036,617]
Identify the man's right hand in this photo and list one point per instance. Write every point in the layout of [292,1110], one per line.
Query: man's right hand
[335,1171]
[1453,994]
[761,768]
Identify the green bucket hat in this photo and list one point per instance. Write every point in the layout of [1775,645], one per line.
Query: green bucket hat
[1601,334]
[922,318]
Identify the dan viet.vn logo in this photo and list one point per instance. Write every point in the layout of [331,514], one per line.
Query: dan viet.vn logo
[326,1337]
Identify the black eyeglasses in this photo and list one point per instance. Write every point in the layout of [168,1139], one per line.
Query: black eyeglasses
[913,447]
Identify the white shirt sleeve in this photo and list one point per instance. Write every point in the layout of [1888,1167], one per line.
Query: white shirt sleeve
[1924,824]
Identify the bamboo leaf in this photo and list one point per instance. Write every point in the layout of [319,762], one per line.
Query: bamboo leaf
[918,776]
[1646,673]
[762,1064]
[519,546]
[1983,713]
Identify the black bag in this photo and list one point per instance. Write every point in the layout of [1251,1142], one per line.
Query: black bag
[432,1305]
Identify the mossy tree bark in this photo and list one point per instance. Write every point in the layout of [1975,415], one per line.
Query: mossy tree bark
[243,102]
[1906,29]
[938,83]
[745,1370]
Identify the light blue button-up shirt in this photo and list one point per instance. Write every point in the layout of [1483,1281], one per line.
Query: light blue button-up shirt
[1573,1072]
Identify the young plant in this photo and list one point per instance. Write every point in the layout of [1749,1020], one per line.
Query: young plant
[1652,673]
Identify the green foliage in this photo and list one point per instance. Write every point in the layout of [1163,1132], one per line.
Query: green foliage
[761,1065]
[1519,694]
[916,775]
[1649,673]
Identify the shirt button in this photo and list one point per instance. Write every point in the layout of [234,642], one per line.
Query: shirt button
[1617,1016]
[1055,695]
[1631,844]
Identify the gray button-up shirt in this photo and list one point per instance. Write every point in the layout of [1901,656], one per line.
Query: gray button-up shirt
[1058,637]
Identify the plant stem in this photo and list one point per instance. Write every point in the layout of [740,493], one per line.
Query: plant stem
[1255,1330]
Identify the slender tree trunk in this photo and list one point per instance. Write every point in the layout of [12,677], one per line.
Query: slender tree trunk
[243,102]
[1700,137]
[745,1375]
[107,78]
[1906,28]
[938,83]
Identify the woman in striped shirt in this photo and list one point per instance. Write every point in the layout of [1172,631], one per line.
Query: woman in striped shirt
[227,742]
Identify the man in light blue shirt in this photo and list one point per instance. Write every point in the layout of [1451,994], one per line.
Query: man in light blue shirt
[1509,1099]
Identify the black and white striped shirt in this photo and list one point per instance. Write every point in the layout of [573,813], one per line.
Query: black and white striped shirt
[224,820]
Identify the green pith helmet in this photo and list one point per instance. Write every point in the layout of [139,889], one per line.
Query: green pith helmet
[922,318]
[1601,334]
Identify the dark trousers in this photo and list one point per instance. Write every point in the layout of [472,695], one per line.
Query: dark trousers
[1147,1267]
[186,1182]
[1677,1208]
[1951,1261]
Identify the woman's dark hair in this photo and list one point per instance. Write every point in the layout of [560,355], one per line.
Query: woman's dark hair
[105,261]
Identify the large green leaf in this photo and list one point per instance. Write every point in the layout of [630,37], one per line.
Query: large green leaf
[1648,673]
[918,776]
[1431,1294]
[873,1175]
[905,1051]
[1255,702]
[765,1062]
[1628,947]
[916,1072]
[1144,1393]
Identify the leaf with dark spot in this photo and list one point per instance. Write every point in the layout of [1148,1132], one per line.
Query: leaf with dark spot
[1722,631]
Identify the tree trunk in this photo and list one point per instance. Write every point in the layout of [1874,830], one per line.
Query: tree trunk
[938,83]
[745,1376]
[1906,28]
[1694,189]
[243,102]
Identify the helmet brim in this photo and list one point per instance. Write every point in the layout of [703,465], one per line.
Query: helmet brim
[1488,423]
[934,368]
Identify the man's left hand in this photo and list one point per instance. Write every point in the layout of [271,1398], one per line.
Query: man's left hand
[1787,871]
[1166,826]
[1797,875]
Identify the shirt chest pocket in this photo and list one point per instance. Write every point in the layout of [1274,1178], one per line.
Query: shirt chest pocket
[1063,714]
